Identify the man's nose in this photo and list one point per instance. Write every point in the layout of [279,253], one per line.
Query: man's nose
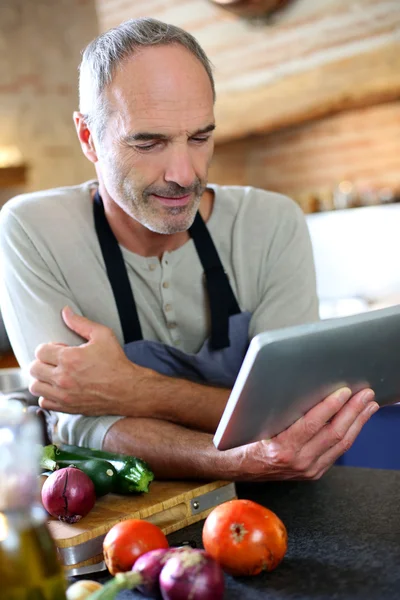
[180,168]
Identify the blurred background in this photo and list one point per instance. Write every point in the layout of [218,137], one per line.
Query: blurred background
[308,104]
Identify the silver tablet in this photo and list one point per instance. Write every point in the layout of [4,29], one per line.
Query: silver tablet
[288,371]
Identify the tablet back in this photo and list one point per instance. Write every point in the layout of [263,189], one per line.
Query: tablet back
[287,371]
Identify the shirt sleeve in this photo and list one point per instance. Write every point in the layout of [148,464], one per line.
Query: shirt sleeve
[289,295]
[32,295]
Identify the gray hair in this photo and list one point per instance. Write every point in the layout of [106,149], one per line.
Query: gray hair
[106,52]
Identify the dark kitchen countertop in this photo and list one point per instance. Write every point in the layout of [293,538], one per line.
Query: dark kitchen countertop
[344,538]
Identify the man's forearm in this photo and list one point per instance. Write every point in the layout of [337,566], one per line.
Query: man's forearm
[180,401]
[172,451]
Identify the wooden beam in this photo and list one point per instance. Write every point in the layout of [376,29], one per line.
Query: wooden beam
[362,80]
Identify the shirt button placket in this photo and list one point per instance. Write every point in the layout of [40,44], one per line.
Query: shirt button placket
[168,302]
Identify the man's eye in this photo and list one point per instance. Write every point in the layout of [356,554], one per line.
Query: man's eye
[147,147]
[200,139]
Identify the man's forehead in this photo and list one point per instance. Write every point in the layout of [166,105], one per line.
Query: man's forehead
[156,98]
[132,114]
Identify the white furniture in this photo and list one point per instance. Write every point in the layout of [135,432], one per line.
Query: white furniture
[357,258]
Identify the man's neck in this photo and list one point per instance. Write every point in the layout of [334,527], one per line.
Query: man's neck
[136,238]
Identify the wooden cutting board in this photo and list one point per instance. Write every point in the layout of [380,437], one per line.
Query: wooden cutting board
[171,505]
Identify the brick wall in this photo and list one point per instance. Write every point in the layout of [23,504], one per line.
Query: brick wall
[40,45]
[309,161]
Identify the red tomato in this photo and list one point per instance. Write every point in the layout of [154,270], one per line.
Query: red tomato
[128,540]
[244,537]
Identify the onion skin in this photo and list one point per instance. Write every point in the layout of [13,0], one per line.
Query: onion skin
[149,566]
[192,574]
[68,494]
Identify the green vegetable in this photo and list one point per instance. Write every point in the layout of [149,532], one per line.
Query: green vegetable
[48,458]
[133,475]
[47,462]
[122,581]
[101,472]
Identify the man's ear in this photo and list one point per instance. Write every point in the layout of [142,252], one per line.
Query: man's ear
[85,137]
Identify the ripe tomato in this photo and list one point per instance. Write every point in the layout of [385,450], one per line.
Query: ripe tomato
[128,540]
[244,537]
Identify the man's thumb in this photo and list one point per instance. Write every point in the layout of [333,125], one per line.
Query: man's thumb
[80,325]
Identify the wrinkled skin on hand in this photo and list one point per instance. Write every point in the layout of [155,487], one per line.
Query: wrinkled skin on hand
[308,448]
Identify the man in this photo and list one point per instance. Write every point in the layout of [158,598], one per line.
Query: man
[179,273]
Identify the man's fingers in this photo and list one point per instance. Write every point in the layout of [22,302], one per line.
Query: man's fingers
[47,404]
[49,353]
[328,433]
[39,388]
[330,457]
[80,325]
[42,371]
[307,427]
[337,428]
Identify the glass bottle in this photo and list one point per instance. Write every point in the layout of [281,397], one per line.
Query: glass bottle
[29,564]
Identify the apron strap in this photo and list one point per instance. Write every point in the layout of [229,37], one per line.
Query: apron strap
[117,274]
[222,300]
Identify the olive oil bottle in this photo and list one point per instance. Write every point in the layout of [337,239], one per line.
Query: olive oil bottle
[29,565]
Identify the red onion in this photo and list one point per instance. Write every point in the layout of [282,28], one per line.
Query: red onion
[149,566]
[68,494]
[192,574]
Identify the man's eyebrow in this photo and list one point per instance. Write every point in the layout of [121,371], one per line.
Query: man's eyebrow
[146,136]
[206,129]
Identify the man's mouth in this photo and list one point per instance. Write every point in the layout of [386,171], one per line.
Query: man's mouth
[174,201]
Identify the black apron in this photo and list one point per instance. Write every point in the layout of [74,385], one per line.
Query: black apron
[219,359]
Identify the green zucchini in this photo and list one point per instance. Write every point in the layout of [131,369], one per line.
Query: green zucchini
[133,475]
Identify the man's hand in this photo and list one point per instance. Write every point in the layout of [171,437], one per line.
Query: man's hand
[97,379]
[311,445]
[90,379]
